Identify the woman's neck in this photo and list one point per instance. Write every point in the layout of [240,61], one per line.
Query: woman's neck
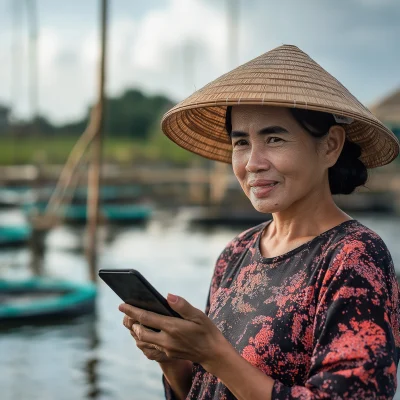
[305,220]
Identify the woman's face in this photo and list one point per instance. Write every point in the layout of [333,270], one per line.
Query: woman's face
[274,159]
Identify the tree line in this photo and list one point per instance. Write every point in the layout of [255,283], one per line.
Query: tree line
[133,115]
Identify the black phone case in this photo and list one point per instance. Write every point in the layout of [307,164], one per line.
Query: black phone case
[105,274]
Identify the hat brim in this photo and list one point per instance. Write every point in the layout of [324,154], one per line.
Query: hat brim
[282,77]
[201,129]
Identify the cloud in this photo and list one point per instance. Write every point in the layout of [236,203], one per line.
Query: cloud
[176,50]
[66,77]
[182,22]
[180,45]
[169,50]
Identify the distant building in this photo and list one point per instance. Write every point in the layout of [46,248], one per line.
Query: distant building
[4,114]
[388,111]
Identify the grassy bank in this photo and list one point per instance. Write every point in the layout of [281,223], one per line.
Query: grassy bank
[28,150]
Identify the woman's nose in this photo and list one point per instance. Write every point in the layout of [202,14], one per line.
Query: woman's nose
[257,161]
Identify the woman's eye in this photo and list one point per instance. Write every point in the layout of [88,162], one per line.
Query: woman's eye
[274,139]
[240,143]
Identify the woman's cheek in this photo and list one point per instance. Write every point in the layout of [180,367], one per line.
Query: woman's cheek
[289,165]
[239,166]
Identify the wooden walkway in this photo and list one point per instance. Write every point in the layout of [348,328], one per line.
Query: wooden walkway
[194,184]
[114,174]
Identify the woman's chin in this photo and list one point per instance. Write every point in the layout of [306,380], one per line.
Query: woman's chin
[266,207]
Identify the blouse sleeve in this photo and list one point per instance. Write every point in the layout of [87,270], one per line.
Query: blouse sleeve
[219,269]
[356,341]
[168,393]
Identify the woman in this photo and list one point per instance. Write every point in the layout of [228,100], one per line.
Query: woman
[305,306]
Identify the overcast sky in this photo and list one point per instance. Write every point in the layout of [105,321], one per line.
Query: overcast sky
[176,46]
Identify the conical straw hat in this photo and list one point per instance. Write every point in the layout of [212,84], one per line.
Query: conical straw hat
[284,77]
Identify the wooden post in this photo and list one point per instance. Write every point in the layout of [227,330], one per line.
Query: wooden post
[33,68]
[219,177]
[37,249]
[96,149]
[233,33]
[16,72]
[219,180]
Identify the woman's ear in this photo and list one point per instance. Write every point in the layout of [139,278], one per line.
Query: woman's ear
[334,144]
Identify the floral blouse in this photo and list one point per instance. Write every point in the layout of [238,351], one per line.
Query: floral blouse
[322,320]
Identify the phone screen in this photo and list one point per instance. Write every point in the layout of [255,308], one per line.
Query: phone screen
[134,292]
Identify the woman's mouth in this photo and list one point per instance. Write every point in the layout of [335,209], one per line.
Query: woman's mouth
[263,190]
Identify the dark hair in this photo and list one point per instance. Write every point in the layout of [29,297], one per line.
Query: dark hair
[349,171]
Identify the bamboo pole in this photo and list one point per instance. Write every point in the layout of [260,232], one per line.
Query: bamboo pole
[16,71]
[33,67]
[73,162]
[219,176]
[94,176]
[233,33]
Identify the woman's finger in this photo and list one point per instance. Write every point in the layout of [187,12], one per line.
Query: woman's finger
[153,354]
[147,318]
[125,321]
[143,345]
[132,329]
[132,332]
[148,346]
[128,322]
[147,335]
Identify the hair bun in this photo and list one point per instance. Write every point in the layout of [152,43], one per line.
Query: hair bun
[349,171]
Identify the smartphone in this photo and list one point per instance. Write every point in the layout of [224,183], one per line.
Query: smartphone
[134,289]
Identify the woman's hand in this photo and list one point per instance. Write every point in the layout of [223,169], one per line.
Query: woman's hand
[151,351]
[193,338]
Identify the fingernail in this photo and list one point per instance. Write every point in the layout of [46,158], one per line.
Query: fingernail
[172,298]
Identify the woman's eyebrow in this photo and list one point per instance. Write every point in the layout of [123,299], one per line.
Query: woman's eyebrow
[264,131]
[272,129]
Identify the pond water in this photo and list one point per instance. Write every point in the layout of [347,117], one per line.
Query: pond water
[94,357]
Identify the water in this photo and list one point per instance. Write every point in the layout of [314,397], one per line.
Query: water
[95,357]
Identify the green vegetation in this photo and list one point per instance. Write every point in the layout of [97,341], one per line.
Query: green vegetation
[132,115]
[55,150]
[132,134]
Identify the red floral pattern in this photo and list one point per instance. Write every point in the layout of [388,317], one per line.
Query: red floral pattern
[323,320]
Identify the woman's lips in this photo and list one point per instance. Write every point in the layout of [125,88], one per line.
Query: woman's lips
[260,190]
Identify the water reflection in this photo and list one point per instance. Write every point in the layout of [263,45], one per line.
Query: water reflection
[49,361]
[94,357]
[92,362]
